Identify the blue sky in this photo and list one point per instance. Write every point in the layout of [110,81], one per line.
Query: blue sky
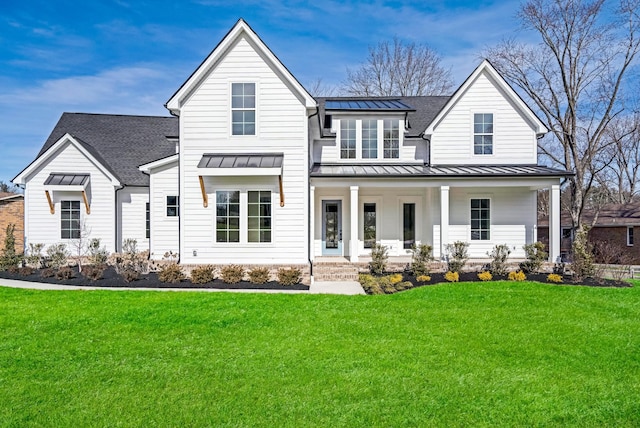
[128,57]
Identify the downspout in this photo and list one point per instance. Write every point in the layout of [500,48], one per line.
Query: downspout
[116,215]
[149,193]
[309,213]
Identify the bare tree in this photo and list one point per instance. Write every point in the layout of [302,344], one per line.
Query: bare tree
[575,77]
[8,187]
[318,88]
[399,69]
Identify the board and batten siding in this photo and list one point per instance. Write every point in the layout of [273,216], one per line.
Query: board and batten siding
[164,230]
[514,139]
[43,227]
[281,127]
[132,205]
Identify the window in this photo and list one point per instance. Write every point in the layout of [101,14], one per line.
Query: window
[369,139]
[173,210]
[259,219]
[391,142]
[567,233]
[227,216]
[480,219]
[483,134]
[369,225]
[348,139]
[148,221]
[630,236]
[70,219]
[409,225]
[243,109]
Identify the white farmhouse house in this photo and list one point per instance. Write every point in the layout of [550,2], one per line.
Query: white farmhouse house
[251,169]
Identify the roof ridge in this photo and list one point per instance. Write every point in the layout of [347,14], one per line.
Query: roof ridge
[119,115]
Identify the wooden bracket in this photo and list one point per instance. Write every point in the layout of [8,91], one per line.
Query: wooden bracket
[281,191]
[52,208]
[205,198]
[86,202]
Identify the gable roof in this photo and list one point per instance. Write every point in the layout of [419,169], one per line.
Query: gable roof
[119,142]
[486,67]
[423,110]
[241,28]
[5,196]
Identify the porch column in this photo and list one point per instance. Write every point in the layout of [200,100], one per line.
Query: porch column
[444,220]
[353,241]
[554,224]
[312,223]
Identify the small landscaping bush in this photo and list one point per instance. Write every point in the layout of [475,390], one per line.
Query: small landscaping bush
[536,255]
[379,258]
[499,256]
[130,260]
[232,274]
[289,276]
[554,277]
[423,278]
[485,276]
[65,272]
[517,276]
[34,257]
[452,276]
[48,272]
[457,256]
[171,273]
[202,274]
[57,256]
[395,278]
[9,257]
[259,275]
[369,284]
[421,256]
[130,275]
[94,272]
[97,254]
[26,271]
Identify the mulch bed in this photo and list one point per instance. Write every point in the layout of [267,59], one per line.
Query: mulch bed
[150,280]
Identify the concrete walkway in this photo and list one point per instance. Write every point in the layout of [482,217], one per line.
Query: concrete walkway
[346,287]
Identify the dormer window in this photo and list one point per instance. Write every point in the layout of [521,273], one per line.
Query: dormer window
[369,139]
[243,109]
[483,134]
[348,139]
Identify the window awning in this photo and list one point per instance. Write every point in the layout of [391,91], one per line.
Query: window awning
[237,165]
[67,182]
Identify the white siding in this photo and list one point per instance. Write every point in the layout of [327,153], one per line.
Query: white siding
[132,203]
[281,124]
[164,229]
[514,140]
[43,227]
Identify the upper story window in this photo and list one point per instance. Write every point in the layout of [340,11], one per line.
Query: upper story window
[391,139]
[243,109]
[348,139]
[483,134]
[369,139]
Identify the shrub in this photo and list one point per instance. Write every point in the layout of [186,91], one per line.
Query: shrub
[289,276]
[202,274]
[57,256]
[48,273]
[485,276]
[423,278]
[369,284]
[395,278]
[171,272]
[379,258]
[94,272]
[131,259]
[259,275]
[97,255]
[9,257]
[26,271]
[582,255]
[554,277]
[517,276]
[536,255]
[404,285]
[65,272]
[35,259]
[499,256]
[421,256]
[232,274]
[457,256]
[452,276]
[130,275]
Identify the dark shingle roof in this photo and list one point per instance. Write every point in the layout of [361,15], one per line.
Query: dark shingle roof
[426,109]
[608,215]
[121,143]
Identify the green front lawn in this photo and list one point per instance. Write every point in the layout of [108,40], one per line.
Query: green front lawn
[467,354]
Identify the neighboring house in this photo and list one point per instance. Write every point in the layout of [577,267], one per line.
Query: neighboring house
[12,212]
[617,226]
[254,170]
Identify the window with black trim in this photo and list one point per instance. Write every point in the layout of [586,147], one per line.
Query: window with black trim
[173,209]
[483,134]
[409,225]
[369,225]
[243,109]
[259,216]
[70,219]
[480,219]
[630,236]
[227,216]
[148,220]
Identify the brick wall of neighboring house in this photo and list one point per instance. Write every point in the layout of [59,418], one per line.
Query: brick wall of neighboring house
[12,211]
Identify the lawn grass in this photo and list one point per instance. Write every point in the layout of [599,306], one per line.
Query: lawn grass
[467,354]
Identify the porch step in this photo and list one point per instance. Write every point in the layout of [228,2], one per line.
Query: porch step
[335,272]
